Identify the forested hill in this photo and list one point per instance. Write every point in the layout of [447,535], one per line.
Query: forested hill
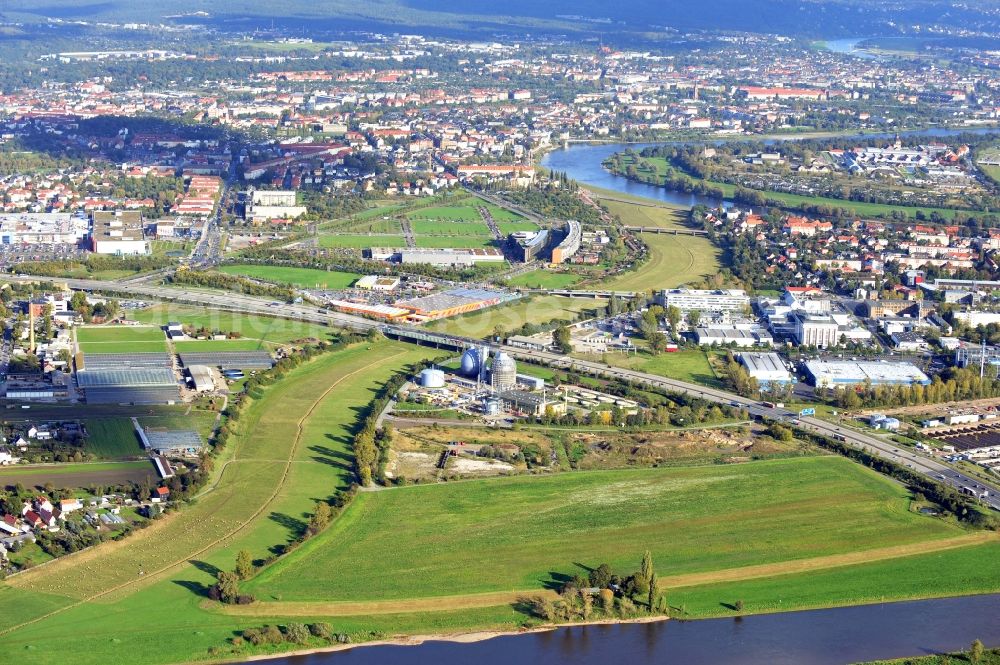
[806,18]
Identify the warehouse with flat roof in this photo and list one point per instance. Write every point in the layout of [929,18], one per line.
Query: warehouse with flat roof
[129,386]
[766,368]
[843,373]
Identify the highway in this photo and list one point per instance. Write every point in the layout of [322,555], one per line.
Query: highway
[305,312]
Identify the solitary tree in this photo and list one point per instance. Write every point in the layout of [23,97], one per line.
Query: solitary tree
[227,588]
[244,565]
[654,592]
[647,565]
[976,652]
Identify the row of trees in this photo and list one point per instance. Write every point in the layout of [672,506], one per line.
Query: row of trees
[219,280]
[955,384]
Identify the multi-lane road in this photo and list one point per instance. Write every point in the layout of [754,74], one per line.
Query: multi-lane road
[236,302]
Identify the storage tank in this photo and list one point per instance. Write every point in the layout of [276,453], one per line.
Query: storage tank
[432,378]
[474,360]
[504,373]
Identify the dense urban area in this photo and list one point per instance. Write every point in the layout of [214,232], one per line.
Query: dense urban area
[704,319]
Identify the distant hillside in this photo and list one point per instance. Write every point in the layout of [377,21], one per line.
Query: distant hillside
[807,18]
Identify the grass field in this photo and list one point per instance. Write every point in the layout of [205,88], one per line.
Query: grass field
[545,279]
[538,529]
[360,241]
[271,330]
[449,228]
[310,278]
[455,213]
[539,309]
[121,339]
[673,260]
[686,365]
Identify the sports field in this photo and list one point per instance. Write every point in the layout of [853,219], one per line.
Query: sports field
[310,278]
[121,339]
[272,331]
[693,519]
[203,345]
[538,309]
[78,475]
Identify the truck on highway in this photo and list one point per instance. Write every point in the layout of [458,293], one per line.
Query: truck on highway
[773,405]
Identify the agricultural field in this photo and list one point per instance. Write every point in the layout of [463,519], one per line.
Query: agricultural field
[121,339]
[655,214]
[309,278]
[78,475]
[112,438]
[538,309]
[272,331]
[539,528]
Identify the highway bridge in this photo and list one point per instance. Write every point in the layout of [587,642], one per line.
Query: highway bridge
[937,471]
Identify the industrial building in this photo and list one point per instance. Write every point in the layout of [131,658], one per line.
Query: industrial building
[740,335]
[766,368]
[117,232]
[128,386]
[451,257]
[570,243]
[387,312]
[453,302]
[704,300]
[202,378]
[529,404]
[378,283]
[844,373]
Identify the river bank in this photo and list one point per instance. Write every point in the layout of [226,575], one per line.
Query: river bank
[470,637]
[880,632]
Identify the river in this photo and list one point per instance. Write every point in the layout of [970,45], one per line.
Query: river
[818,637]
[582,162]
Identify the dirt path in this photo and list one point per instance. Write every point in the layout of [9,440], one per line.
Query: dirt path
[24,580]
[470,601]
